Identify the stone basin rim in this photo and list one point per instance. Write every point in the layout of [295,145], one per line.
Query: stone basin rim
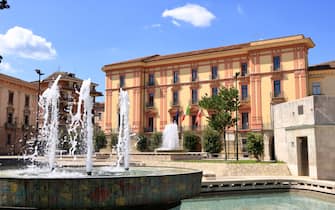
[184,171]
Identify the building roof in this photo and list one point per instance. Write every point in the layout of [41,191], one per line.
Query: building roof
[17,81]
[323,66]
[237,48]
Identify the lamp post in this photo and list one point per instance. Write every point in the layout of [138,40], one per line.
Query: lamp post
[236,113]
[38,107]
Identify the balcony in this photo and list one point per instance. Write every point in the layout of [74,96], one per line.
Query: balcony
[244,102]
[150,105]
[10,125]
[277,97]
[151,83]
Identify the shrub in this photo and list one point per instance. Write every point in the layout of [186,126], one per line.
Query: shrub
[191,141]
[255,145]
[142,143]
[114,139]
[100,140]
[155,140]
[212,141]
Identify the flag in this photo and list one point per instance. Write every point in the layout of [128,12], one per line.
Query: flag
[187,112]
[197,120]
[177,116]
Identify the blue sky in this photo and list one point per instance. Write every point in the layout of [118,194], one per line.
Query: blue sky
[82,36]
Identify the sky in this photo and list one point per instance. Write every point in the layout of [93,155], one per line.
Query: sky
[81,36]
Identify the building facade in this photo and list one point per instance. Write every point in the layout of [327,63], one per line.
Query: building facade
[321,79]
[161,88]
[99,116]
[304,139]
[17,114]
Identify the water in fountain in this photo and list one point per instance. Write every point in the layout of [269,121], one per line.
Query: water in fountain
[49,133]
[81,124]
[170,138]
[122,147]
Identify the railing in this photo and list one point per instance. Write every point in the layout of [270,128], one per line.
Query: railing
[212,77]
[277,95]
[268,184]
[272,68]
[152,83]
[10,125]
[174,103]
[150,105]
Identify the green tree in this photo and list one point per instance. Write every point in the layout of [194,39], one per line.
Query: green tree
[212,140]
[114,139]
[155,140]
[100,140]
[222,105]
[191,140]
[142,143]
[255,144]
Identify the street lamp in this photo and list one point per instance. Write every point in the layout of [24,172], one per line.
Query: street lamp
[236,113]
[38,99]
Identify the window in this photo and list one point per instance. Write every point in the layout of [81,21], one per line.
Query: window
[150,124]
[175,98]
[175,118]
[300,110]
[26,120]
[316,88]
[214,72]
[99,116]
[119,120]
[194,96]
[244,69]
[214,91]
[10,98]
[194,75]
[9,139]
[151,79]
[26,101]
[245,120]
[276,88]
[175,77]
[244,92]
[276,63]
[122,81]
[151,100]
[194,124]
[10,118]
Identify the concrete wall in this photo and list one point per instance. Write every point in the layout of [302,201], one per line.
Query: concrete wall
[316,122]
[325,152]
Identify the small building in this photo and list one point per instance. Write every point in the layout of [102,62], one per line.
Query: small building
[321,79]
[17,114]
[304,131]
[99,115]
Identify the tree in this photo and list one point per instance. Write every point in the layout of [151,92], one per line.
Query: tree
[255,144]
[114,140]
[3,5]
[221,107]
[212,141]
[142,143]
[155,140]
[191,141]
[100,140]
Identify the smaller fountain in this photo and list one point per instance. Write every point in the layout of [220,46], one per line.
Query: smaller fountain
[170,139]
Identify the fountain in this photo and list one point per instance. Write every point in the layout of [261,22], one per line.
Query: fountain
[170,138]
[56,187]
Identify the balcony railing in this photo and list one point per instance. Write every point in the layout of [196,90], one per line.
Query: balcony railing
[174,103]
[10,125]
[151,83]
[150,105]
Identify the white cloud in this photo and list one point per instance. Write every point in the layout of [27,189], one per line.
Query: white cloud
[24,43]
[157,25]
[174,22]
[240,9]
[194,14]
[7,68]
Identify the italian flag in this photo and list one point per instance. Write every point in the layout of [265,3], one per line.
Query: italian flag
[187,112]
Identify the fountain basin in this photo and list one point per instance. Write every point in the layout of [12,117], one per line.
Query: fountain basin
[141,186]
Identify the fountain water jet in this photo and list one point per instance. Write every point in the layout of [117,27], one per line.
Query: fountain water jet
[122,147]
